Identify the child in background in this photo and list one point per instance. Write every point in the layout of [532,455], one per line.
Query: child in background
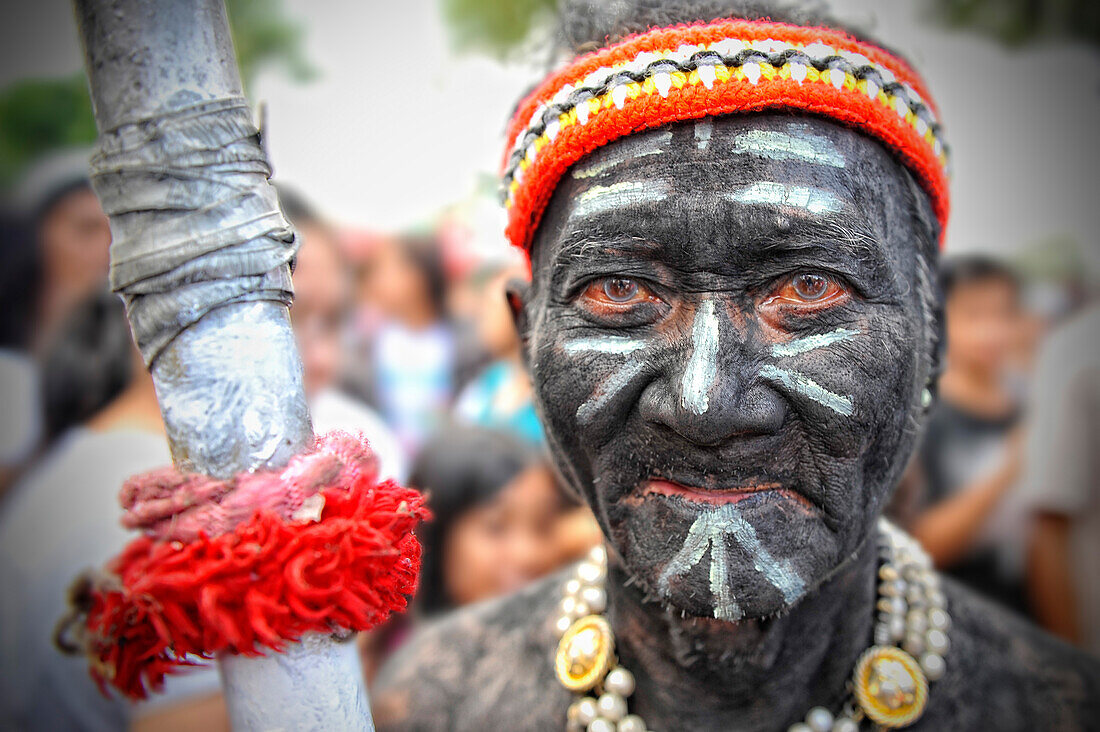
[496,504]
[969,462]
[499,397]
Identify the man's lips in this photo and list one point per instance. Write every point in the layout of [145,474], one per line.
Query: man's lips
[717,496]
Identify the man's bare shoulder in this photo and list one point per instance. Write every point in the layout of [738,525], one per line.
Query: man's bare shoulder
[478,666]
[1005,673]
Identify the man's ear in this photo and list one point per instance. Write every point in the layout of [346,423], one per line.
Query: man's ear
[518,292]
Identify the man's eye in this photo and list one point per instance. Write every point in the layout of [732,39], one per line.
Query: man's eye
[620,289]
[814,288]
[810,286]
[616,294]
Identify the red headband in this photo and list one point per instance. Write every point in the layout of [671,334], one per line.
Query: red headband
[687,72]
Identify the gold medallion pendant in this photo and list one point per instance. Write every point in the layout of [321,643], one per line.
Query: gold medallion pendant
[890,686]
[585,653]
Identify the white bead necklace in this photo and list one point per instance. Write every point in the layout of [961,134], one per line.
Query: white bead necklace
[889,686]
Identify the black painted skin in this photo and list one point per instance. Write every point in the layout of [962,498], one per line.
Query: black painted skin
[814,480]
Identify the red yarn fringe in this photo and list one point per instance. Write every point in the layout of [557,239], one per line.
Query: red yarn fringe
[168,604]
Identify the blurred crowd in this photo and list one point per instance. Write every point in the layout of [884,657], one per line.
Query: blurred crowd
[408,338]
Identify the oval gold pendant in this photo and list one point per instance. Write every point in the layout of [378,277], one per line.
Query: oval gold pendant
[890,686]
[584,653]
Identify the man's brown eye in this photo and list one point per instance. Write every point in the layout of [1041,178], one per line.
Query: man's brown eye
[616,295]
[810,287]
[808,292]
[620,289]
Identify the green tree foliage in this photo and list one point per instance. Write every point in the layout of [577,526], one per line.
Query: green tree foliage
[40,115]
[37,116]
[1016,22]
[263,36]
[496,27]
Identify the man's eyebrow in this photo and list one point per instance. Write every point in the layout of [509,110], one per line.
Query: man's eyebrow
[851,237]
[581,244]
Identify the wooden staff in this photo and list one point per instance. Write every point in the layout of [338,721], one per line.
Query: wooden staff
[201,257]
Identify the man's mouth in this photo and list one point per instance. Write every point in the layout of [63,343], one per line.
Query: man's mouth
[717,496]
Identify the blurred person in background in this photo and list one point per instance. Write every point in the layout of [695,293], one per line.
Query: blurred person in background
[74,239]
[500,396]
[62,518]
[1061,483]
[496,509]
[55,239]
[87,365]
[496,504]
[22,424]
[322,305]
[969,460]
[410,358]
[72,235]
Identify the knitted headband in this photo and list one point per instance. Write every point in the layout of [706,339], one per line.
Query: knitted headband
[690,71]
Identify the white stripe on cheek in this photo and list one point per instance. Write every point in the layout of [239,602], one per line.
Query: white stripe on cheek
[811,343]
[808,388]
[611,386]
[616,345]
[702,367]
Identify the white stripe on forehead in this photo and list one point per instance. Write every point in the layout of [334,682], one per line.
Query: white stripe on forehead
[601,199]
[637,146]
[779,145]
[814,200]
[704,128]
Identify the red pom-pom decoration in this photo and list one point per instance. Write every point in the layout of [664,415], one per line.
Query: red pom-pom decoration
[338,558]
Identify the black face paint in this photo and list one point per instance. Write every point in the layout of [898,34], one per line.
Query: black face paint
[728,335]
[728,350]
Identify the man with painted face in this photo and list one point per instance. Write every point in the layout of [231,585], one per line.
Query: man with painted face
[732,328]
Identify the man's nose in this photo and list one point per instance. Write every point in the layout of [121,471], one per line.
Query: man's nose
[711,390]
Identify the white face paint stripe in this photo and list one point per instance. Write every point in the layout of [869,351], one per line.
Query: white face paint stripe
[813,342]
[814,200]
[608,389]
[706,532]
[616,345]
[710,530]
[808,388]
[703,130]
[633,148]
[778,145]
[725,607]
[779,573]
[695,546]
[702,367]
[600,199]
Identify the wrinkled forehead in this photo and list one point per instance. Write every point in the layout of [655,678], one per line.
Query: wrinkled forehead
[744,179]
